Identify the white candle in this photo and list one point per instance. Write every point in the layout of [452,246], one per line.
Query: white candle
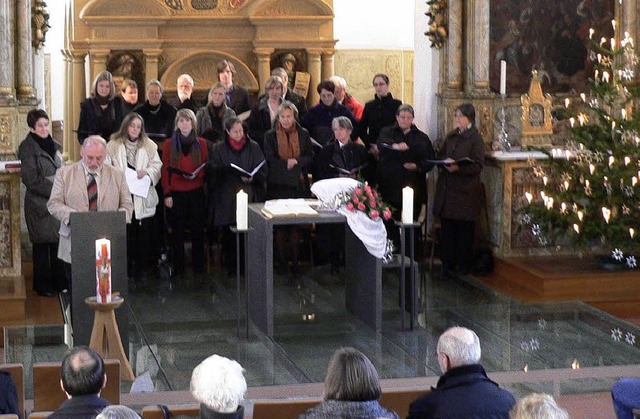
[632,232]
[103,270]
[407,205]
[242,211]
[503,77]
[606,214]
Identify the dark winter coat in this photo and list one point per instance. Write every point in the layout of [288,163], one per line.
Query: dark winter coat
[318,121]
[239,100]
[212,128]
[459,194]
[38,170]
[377,114]
[339,409]
[350,156]
[97,121]
[80,407]
[158,120]
[392,176]
[259,122]
[8,395]
[293,182]
[227,181]
[464,392]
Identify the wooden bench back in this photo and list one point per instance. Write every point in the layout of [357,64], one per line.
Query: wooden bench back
[17,374]
[281,409]
[39,415]
[399,400]
[47,394]
[155,412]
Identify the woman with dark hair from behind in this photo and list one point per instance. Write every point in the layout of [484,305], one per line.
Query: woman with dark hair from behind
[245,153]
[351,389]
[40,157]
[459,191]
[130,148]
[102,113]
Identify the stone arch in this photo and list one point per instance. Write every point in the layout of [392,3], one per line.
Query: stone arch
[202,67]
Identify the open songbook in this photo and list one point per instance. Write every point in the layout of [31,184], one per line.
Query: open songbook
[460,162]
[251,173]
[288,208]
[345,171]
[187,175]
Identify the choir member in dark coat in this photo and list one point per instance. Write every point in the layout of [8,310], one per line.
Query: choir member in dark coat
[102,113]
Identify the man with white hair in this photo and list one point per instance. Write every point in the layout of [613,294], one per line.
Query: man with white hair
[184,90]
[218,384]
[344,98]
[464,390]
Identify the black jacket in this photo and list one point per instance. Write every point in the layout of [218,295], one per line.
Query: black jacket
[332,158]
[8,395]
[239,99]
[464,392]
[377,114]
[80,407]
[281,181]
[97,121]
[158,120]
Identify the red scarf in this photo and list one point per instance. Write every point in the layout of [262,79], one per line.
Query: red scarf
[237,145]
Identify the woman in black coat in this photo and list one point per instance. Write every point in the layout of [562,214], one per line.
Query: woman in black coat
[159,117]
[242,151]
[287,148]
[40,158]
[102,113]
[264,113]
[459,192]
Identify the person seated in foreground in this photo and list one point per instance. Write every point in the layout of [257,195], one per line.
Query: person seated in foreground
[118,411]
[218,384]
[351,389]
[464,390]
[538,406]
[82,378]
[625,395]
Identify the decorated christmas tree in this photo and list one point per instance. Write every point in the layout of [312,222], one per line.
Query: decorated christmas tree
[591,187]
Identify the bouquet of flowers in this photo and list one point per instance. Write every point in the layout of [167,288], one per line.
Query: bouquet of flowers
[366,199]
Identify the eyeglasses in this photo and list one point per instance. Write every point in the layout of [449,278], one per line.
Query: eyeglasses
[379,84]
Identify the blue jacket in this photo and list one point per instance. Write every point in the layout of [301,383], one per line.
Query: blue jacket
[464,393]
[318,120]
[8,395]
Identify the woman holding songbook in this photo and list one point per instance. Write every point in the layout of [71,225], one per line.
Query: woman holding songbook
[405,154]
[102,113]
[459,191]
[131,150]
[183,168]
[236,163]
[287,147]
[341,157]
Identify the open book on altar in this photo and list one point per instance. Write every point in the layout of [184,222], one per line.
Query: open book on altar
[288,208]
[251,173]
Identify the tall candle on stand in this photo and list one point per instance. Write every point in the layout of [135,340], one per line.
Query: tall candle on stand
[242,202]
[503,77]
[103,270]
[407,205]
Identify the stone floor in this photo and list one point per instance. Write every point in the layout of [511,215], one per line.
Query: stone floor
[184,325]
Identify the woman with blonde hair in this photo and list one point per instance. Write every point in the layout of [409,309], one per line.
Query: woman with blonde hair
[264,113]
[131,149]
[351,389]
[211,117]
[537,406]
[102,113]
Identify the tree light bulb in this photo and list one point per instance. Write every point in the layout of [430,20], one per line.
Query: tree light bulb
[611,160]
[580,215]
[606,214]
[632,232]
[576,227]
[627,160]
[528,196]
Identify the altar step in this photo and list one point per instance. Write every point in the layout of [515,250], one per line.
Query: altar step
[561,278]
[12,299]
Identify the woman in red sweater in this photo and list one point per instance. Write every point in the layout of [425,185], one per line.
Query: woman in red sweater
[183,160]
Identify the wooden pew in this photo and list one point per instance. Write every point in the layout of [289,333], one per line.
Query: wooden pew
[39,415]
[399,400]
[155,411]
[17,374]
[47,394]
[9,416]
[281,409]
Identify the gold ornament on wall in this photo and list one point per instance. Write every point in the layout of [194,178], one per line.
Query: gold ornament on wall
[437,32]
[40,23]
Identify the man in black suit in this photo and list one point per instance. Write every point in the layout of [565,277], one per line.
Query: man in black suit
[82,378]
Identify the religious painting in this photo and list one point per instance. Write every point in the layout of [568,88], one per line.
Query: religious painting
[128,65]
[549,36]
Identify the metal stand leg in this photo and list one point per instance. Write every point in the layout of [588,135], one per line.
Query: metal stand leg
[239,234]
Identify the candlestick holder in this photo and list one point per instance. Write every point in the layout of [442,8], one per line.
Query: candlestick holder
[502,144]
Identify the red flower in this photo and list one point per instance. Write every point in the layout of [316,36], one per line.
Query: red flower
[357,191]
[374,214]
[350,206]
[355,199]
[361,206]
[386,214]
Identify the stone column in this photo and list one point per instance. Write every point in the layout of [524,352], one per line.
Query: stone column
[78,94]
[315,71]
[327,64]
[151,57]
[97,61]
[452,65]
[477,47]
[6,54]
[629,12]
[26,92]
[68,135]
[264,71]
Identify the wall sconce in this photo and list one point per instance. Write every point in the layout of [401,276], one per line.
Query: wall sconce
[437,32]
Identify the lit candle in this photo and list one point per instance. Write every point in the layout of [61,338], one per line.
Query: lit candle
[546,179]
[634,180]
[563,208]
[549,203]
[583,97]
[592,168]
[575,364]
[566,185]
[591,32]
[611,160]
[599,56]
[623,112]
[576,227]
[103,270]
[605,77]
[613,23]
[596,74]
[528,196]
[580,215]
[602,41]
[567,154]
[242,202]
[627,160]
[567,102]
[613,43]
[632,232]
[503,77]
[572,121]
[407,205]
[606,214]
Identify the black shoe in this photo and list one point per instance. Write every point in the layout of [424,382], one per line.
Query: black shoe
[46,293]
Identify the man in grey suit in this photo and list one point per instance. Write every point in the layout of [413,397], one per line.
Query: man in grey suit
[87,185]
